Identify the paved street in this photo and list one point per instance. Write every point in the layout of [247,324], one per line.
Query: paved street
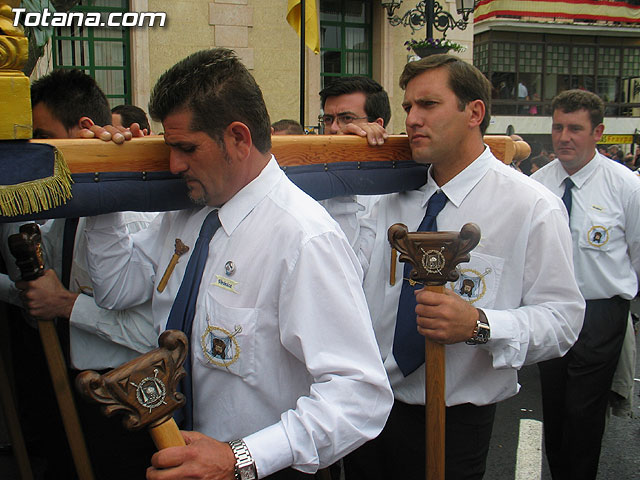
[516,451]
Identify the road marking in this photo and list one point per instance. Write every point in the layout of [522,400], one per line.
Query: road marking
[529,457]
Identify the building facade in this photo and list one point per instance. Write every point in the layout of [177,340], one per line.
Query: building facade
[532,50]
[355,38]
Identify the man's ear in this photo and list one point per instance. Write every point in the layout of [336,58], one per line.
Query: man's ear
[598,131]
[379,121]
[477,111]
[85,122]
[238,140]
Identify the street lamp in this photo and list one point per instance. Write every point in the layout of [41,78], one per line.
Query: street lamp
[431,14]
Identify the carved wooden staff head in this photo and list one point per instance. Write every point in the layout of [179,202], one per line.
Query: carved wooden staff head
[25,246]
[144,389]
[434,255]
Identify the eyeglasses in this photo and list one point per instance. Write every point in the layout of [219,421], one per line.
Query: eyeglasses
[343,119]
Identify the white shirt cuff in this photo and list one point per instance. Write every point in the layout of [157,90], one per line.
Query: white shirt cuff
[504,344]
[270,449]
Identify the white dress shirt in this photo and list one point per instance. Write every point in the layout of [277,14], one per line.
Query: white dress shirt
[522,274]
[297,373]
[99,338]
[605,225]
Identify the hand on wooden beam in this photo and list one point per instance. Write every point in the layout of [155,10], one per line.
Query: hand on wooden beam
[117,135]
[373,131]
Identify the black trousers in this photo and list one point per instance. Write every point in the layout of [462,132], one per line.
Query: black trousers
[399,451]
[575,391]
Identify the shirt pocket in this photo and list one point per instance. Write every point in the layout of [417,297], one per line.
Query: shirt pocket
[598,232]
[226,339]
[479,279]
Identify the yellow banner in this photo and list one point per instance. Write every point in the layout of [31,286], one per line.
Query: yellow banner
[619,139]
[311,26]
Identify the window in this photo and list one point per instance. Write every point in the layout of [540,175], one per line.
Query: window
[526,73]
[102,52]
[345,39]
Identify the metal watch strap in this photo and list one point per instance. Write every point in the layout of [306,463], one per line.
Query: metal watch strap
[482,331]
[245,465]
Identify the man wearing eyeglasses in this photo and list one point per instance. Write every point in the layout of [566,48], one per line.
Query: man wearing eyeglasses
[357,106]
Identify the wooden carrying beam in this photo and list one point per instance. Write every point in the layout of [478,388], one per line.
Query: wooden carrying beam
[151,154]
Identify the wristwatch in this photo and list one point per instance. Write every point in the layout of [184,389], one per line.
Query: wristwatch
[482,332]
[245,466]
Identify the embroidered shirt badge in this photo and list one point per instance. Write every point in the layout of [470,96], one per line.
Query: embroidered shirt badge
[598,236]
[220,346]
[471,284]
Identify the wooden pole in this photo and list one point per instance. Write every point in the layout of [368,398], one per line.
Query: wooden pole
[11,412]
[167,434]
[435,404]
[25,247]
[61,386]
[434,256]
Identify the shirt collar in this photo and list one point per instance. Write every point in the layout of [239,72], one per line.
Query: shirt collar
[242,203]
[459,186]
[581,176]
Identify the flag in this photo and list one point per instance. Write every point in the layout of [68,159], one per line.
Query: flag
[311,31]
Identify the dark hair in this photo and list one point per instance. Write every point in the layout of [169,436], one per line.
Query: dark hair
[573,100]
[132,114]
[466,81]
[377,102]
[540,161]
[218,90]
[290,126]
[70,95]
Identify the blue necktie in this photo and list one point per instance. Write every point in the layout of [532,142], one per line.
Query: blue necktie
[408,344]
[184,307]
[566,197]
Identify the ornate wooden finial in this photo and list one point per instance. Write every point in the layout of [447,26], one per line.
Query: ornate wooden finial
[26,247]
[434,255]
[144,389]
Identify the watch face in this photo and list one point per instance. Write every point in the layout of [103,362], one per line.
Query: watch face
[481,336]
[483,333]
[247,472]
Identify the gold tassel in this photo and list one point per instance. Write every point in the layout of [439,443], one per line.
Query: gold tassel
[37,195]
